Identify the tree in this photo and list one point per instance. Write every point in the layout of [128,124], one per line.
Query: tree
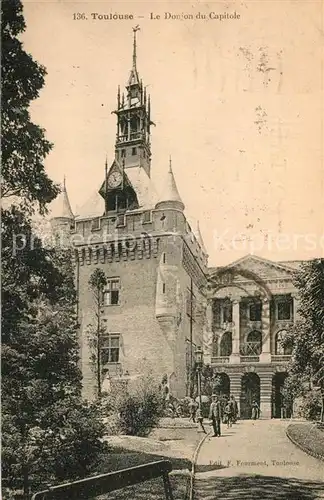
[24,146]
[97,283]
[49,433]
[307,335]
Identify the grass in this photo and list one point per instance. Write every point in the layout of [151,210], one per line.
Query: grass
[308,436]
[120,458]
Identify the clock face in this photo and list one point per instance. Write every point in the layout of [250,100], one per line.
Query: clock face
[114,179]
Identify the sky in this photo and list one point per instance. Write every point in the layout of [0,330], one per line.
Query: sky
[238,103]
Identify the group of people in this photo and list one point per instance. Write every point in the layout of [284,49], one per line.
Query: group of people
[225,411]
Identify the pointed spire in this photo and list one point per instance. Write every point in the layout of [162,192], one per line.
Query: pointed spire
[133,77]
[118,97]
[200,239]
[134,46]
[170,197]
[61,206]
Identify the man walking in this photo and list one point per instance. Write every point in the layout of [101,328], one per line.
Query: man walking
[215,414]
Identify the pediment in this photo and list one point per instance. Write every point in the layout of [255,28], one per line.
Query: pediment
[263,268]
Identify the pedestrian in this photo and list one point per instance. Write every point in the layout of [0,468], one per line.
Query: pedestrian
[200,419]
[234,408]
[192,409]
[255,410]
[228,414]
[215,414]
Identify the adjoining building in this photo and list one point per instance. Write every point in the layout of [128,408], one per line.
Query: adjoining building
[161,300]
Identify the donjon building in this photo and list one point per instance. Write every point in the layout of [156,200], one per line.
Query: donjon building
[161,300]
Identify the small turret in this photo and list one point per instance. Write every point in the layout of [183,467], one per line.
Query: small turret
[170,197]
[62,216]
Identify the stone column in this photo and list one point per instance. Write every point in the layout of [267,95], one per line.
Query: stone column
[235,356]
[265,356]
[265,394]
[236,387]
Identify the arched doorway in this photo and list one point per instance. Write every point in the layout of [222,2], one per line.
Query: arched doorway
[225,347]
[280,408]
[250,392]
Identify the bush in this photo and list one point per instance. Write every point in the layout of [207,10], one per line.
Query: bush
[140,408]
[311,405]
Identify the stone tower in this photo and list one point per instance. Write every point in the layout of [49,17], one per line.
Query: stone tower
[152,306]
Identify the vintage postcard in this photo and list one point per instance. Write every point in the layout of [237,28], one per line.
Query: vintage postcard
[163,249]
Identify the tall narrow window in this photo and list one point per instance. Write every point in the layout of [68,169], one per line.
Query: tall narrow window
[163,288]
[111,292]
[134,151]
[110,348]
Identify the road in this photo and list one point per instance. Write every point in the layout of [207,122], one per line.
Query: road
[256,460]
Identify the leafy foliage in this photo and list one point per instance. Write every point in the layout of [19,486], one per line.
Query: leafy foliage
[48,432]
[307,335]
[24,146]
[141,407]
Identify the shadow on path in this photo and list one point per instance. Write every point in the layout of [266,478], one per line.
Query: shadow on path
[246,487]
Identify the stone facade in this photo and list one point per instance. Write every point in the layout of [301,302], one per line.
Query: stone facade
[253,303]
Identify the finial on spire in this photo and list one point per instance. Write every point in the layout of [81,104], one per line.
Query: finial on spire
[170,163]
[136,28]
[64,182]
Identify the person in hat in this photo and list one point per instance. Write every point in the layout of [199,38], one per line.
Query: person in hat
[215,414]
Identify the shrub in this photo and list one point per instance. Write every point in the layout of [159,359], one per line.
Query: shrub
[140,408]
[311,405]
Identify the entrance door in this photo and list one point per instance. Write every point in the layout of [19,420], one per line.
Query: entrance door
[250,392]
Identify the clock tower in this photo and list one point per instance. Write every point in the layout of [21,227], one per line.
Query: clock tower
[132,147]
[133,112]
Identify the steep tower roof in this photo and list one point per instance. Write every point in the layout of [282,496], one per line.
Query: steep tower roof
[61,208]
[133,77]
[170,197]
[200,239]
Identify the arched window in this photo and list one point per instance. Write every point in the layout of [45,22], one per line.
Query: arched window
[279,347]
[254,340]
[226,344]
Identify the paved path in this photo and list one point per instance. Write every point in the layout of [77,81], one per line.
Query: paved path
[255,460]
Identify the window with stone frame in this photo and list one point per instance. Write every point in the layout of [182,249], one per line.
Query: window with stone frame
[111,293]
[284,310]
[110,348]
[255,311]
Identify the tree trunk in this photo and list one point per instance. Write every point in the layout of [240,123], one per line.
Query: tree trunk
[98,348]
[322,409]
[26,482]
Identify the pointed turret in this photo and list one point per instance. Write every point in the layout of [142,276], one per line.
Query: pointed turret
[170,197]
[200,239]
[62,209]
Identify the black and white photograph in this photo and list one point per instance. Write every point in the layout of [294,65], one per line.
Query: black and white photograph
[162,250]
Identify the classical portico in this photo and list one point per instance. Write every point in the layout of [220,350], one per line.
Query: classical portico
[251,304]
